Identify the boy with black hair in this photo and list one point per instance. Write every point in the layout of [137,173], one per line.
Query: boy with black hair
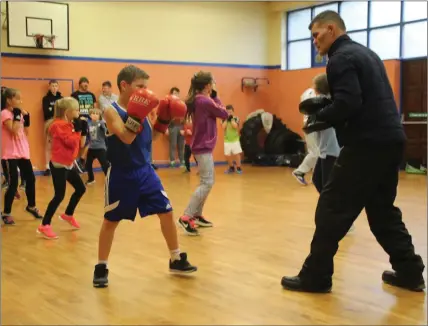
[87,101]
[48,103]
[107,97]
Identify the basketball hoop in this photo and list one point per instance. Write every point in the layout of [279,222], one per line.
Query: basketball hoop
[38,39]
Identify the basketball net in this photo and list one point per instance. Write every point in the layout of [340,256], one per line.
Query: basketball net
[40,39]
[51,39]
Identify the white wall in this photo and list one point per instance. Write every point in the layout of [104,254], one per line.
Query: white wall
[208,32]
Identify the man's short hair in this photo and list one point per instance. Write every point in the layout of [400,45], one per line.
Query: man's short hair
[53,81]
[230,107]
[131,73]
[107,83]
[83,80]
[328,16]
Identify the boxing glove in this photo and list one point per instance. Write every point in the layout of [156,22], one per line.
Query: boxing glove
[16,114]
[171,107]
[213,94]
[314,125]
[177,108]
[77,125]
[27,120]
[229,118]
[84,129]
[313,105]
[140,104]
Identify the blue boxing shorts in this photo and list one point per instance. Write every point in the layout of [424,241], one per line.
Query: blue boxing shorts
[127,190]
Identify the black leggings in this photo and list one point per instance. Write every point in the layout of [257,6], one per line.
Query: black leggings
[322,171]
[187,155]
[27,174]
[96,154]
[5,169]
[60,176]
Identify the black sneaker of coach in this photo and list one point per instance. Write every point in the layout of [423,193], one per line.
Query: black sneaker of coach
[181,266]
[100,276]
[413,284]
[299,284]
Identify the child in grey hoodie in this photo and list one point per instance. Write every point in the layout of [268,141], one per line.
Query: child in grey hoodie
[97,144]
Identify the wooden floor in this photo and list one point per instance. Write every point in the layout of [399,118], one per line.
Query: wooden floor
[263,228]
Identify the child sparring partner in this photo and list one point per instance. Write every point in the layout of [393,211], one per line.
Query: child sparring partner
[65,133]
[97,144]
[327,146]
[131,183]
[311,157]
[328,149]
[204,107]
[16,152]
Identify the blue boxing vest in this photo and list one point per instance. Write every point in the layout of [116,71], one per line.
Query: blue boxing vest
[131,156]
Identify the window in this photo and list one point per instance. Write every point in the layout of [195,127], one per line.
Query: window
[415,40]
[299,55]
[298,23]
[392,29]
[360,37]
[414,10]
[386,42]
[354,14]
[384,13]
[330,6]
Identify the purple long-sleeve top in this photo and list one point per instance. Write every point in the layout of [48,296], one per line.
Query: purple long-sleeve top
[206,112]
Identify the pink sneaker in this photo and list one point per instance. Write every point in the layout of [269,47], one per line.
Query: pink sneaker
[70,220]
[46,232]
[188,225]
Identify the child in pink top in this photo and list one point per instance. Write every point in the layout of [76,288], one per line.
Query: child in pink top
[16,152]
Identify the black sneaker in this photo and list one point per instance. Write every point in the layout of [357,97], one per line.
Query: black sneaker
[188,226]
[416,285]
[201,221]
[181,266]
[296,283]
[34,212]
[100,276]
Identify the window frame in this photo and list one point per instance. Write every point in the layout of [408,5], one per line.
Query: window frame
[314,63]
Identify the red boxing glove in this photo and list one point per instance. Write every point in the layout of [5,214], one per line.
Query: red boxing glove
[140,104]
[177,108]
[169,108]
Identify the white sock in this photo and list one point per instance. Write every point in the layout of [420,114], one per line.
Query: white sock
[104,262]
[175,254]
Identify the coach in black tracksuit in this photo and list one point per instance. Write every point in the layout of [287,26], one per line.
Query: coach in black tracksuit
[365,175]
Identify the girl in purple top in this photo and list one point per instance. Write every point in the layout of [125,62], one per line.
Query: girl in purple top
[204,107]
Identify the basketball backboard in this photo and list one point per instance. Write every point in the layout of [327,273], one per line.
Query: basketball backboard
[26,19]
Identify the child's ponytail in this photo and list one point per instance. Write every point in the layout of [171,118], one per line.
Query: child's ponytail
[197,84]
[190,102]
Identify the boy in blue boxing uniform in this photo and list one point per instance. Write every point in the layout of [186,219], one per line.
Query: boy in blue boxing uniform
[131,182]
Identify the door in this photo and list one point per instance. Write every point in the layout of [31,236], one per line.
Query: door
[414,108]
